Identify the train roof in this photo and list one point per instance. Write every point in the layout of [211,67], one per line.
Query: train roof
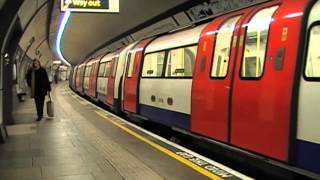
[107,57]
[178,39]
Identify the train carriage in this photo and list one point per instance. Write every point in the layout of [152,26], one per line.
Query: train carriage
[249,79]
[245,83]
[165,85]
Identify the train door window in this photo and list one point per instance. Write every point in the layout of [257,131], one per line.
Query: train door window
[153,64]
[107,69]
[312,69]
[181,62]
[101,69]
[131,57]
[222,48]
[97,66]
[93,67]
[82,71]
[115,63]
[75,73]
[256,43]
[87,71]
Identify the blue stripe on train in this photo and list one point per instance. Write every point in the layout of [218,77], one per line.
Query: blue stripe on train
[308,156]
[166,117]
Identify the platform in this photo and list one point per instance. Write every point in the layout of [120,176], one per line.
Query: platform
[85,142]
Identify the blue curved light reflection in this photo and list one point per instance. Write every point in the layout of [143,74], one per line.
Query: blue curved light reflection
[62,27]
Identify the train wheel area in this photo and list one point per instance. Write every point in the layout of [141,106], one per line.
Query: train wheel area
[84,141]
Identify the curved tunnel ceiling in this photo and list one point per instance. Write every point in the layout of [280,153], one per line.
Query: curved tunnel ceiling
[86,31]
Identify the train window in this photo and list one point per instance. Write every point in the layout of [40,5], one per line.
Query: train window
[222,48]
[87,71]
[153,64]
[256,43]
[107,70]
[312,69]
[93,69]
[101,69]
[181,62]
[115,63]
[82,71]
[130,63]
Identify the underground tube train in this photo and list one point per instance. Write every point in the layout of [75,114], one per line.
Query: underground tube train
[249,79]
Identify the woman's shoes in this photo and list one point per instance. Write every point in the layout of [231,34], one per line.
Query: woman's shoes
[39,118]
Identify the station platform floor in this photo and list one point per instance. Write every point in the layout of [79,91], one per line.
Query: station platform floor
[85,142]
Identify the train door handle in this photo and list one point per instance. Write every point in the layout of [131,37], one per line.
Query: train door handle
[203,64]
[278,64]
[170,101]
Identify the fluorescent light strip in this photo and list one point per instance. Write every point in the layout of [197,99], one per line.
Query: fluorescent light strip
[62,27]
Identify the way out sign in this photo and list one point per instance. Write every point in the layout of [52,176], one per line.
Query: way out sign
[111,6]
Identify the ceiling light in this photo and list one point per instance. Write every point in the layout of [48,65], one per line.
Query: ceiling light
[61,29]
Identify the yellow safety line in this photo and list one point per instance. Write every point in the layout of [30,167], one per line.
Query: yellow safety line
[162,149]
[80,101]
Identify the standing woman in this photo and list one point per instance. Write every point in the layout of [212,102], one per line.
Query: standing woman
[38,81]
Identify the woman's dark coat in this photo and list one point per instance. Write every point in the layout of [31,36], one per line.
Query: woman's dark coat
[42,84]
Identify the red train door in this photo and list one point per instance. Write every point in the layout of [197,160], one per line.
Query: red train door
[211,94]
[81,78]
[131,80]
[93,79]
[263,79]
[111,80]
[90,80]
